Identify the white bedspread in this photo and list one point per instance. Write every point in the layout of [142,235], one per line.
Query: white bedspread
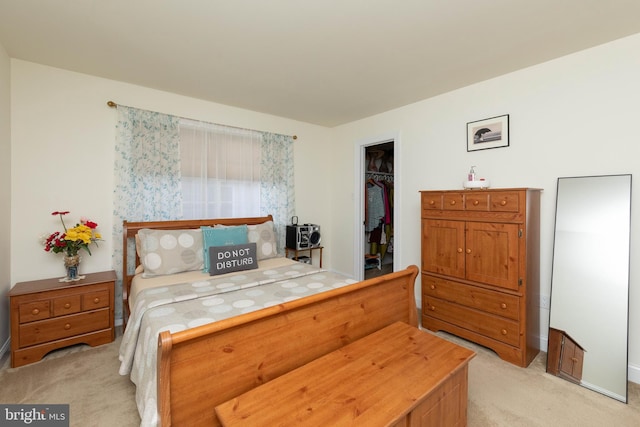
[187,305]
[139,283]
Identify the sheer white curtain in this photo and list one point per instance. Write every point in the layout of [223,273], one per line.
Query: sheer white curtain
[221,170]
[231,172]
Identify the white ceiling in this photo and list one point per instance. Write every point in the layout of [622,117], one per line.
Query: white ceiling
[326,62]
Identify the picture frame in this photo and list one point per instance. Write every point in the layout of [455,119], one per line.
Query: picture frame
[488,133]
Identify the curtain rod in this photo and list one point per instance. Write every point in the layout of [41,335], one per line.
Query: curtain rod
[114,105]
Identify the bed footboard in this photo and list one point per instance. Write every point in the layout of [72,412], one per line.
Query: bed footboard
[202,367]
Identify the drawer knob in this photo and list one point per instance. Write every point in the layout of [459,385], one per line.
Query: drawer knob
[453,202]
[432,287]
[503,203]
[574,359]
[468,250]
[432,308]
[476,202]
[96,300]
[67,305]
[67,326]
[503,305]
[432,202]
[504,332]
[459,250]
[35,311]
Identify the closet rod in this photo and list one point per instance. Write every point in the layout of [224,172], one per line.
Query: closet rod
[114,105]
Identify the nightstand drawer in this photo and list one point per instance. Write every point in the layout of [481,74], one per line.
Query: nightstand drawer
[37,310]
[66,305]
[94,300]
[63,327]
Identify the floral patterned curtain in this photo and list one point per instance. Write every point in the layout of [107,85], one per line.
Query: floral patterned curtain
[147,175]
[277,191]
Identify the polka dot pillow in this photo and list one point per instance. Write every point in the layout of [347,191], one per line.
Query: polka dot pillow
[170,251]
[264,236]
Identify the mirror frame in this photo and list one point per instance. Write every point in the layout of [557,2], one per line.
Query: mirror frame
[561,340]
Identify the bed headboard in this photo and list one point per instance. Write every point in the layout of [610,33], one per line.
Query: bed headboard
[130,229]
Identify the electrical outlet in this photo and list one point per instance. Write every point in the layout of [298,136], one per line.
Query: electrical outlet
[545,301]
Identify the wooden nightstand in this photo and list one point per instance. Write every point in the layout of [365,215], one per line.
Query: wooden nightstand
[48,314]
[297,257]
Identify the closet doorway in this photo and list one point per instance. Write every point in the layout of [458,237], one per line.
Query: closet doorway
[378,216]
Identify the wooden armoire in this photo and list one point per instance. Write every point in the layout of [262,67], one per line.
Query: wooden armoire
[480,268]
[565,356]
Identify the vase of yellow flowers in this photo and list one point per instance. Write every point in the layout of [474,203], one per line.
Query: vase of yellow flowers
[70,242]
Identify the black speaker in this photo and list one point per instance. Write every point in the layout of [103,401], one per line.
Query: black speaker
[304,236]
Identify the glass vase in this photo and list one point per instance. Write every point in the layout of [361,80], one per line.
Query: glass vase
[72,263]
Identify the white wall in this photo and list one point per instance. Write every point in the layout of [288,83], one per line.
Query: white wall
[574,116]
[5,194]
[62,159]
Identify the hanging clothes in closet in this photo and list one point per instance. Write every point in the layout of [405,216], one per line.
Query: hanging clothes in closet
[378,213]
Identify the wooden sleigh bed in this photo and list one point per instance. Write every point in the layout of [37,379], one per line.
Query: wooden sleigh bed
[204,366]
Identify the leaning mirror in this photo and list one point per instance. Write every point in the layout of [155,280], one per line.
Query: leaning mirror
[590,283]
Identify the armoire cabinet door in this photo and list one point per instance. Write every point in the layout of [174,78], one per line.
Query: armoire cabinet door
[443,247]
[492,253]
[572,358]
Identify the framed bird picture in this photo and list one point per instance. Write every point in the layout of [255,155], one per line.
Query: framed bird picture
[488,133]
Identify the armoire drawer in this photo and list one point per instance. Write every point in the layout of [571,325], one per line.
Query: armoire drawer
[498,328]
[494,201]
[504,201]
[453,201]
[476,202]
[431,201]
[498,303]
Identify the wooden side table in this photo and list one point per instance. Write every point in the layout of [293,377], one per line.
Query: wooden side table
[48,314]
[296,253]
[397,376]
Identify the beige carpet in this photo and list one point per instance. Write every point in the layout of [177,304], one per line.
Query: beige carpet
[84,377]
[500,394]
